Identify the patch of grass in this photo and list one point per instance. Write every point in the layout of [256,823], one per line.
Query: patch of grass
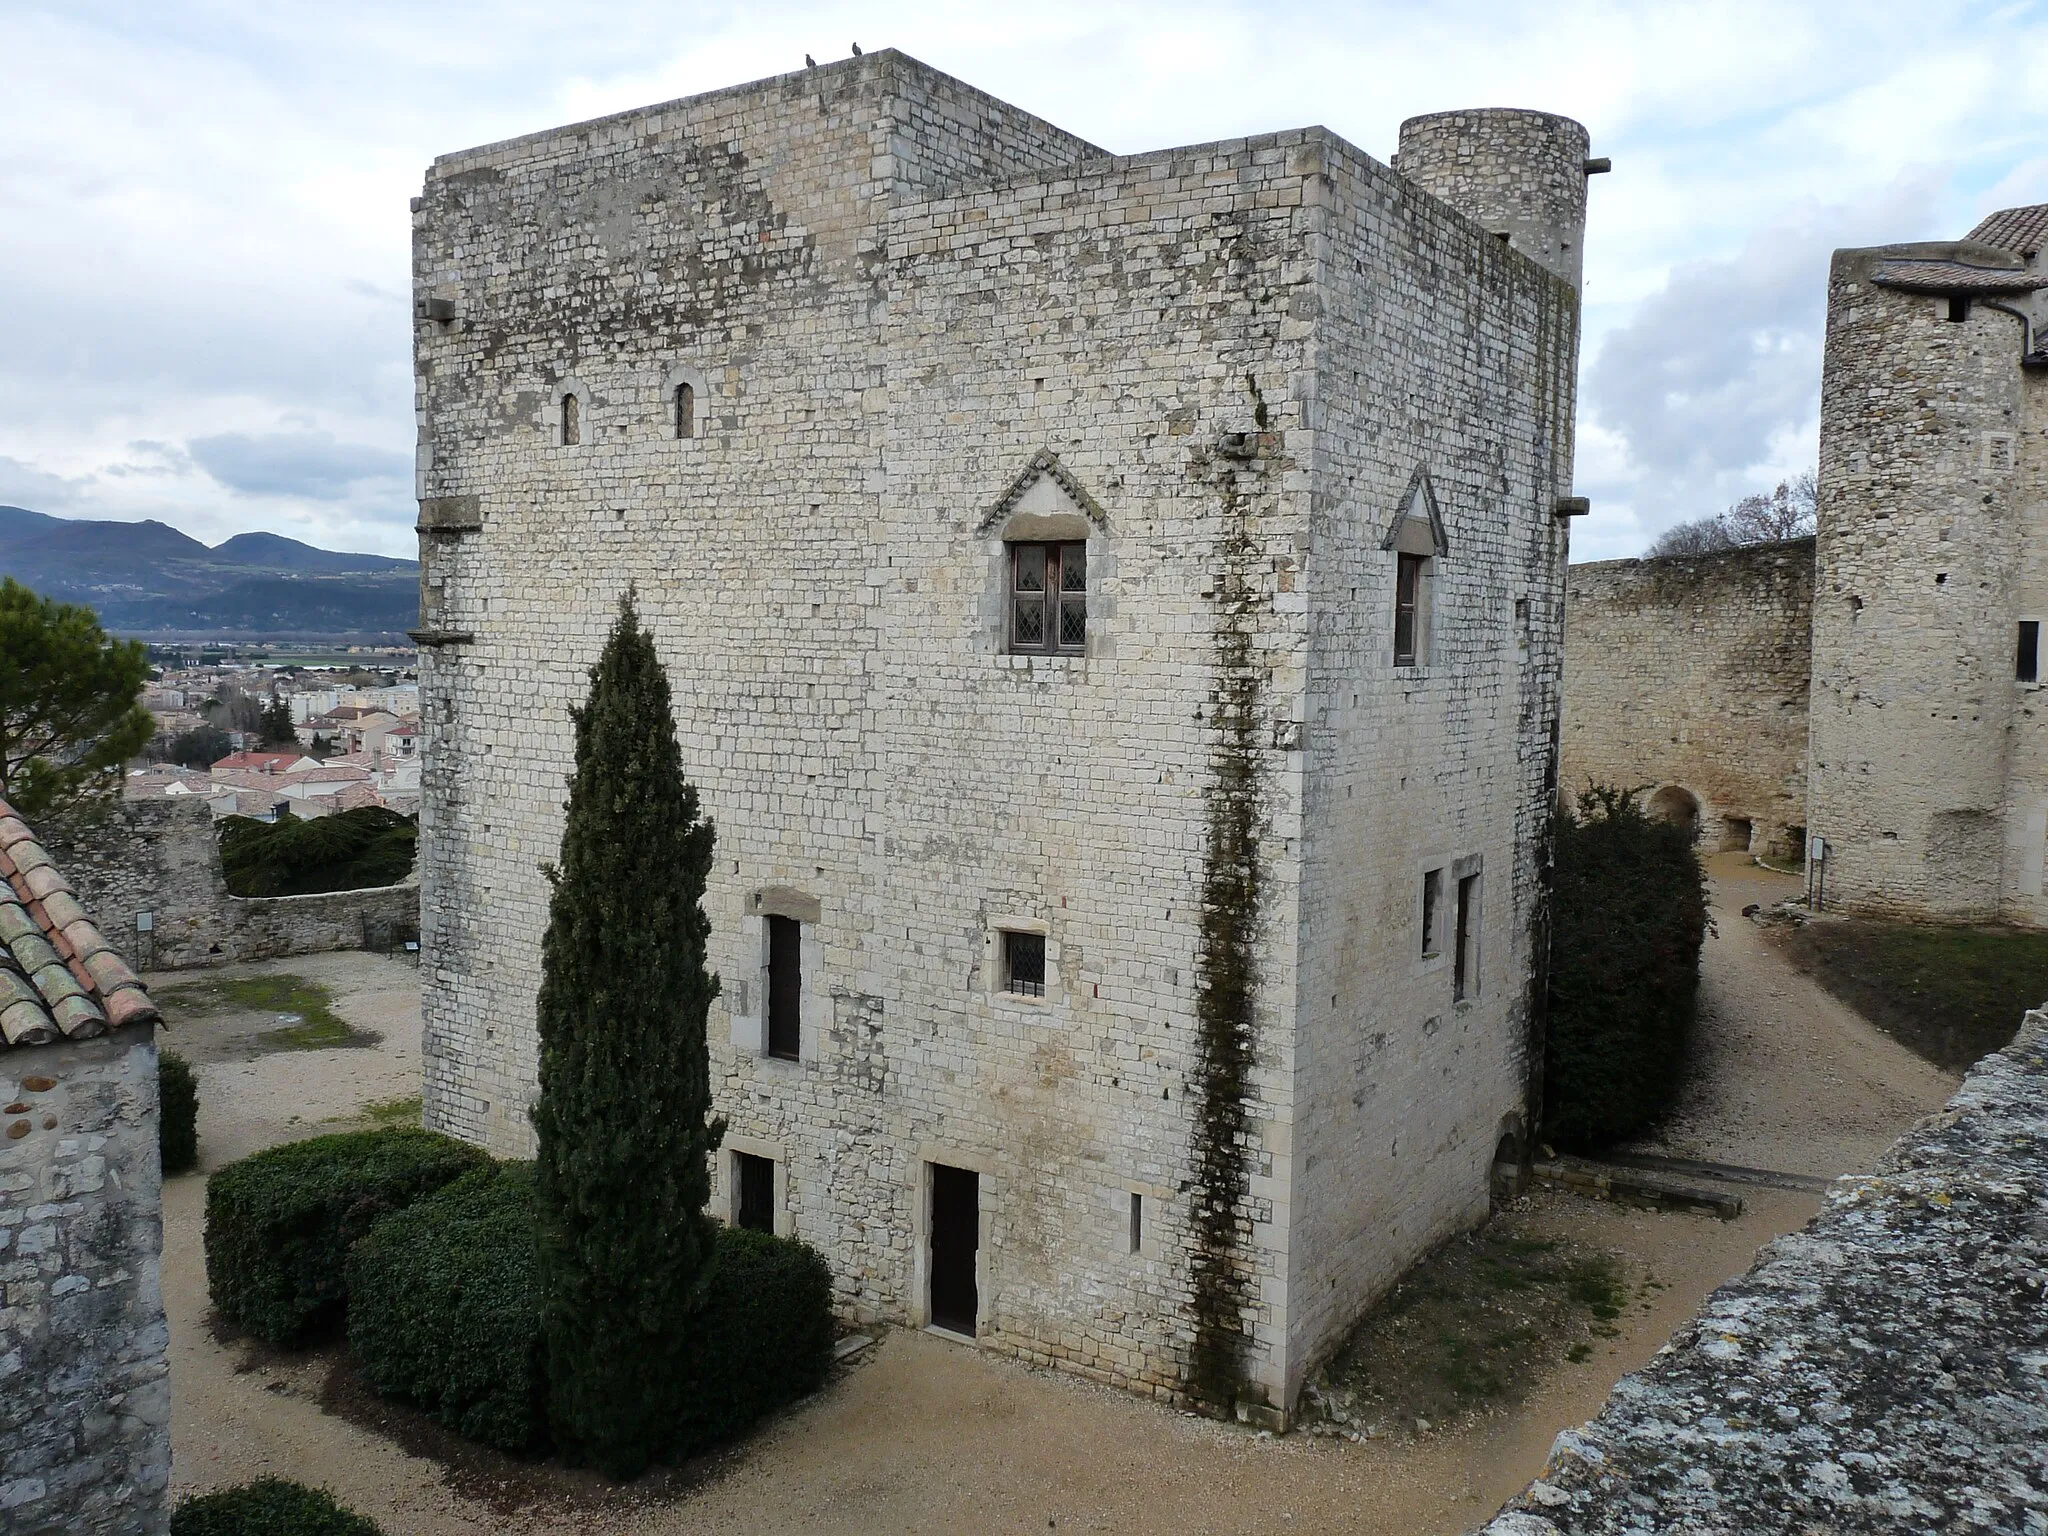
[1474,1324]
[314,1027]
[383,1112]
[1949,994]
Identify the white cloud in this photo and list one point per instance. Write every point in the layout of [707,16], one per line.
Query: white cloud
[206,241]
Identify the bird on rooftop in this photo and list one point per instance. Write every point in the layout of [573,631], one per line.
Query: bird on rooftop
[856,50]
[809,62]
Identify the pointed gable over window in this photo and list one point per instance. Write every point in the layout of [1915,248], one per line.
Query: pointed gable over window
[1417,526]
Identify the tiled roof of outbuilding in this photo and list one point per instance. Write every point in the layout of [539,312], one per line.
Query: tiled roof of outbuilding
[58,974]
[2021,230]
[1957,277]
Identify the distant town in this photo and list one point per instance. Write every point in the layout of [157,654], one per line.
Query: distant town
[269,732]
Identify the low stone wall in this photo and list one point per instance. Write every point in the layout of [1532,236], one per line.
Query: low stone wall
[1885,1369]
[85,1393]
[160,859]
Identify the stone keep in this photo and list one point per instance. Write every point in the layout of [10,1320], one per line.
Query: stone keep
[1928,761]
[918,326]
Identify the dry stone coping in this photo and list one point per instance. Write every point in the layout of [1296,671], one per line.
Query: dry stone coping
[1884,1369]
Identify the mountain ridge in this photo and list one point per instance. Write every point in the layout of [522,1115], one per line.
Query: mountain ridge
[151,580]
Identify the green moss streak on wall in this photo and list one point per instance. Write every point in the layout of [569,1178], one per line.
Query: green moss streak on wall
[1227,980]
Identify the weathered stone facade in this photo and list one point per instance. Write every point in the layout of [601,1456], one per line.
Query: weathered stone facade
[162,858]
[1687,677]
[1884,1370]
[85,1392]
[1929,745]
[919,325]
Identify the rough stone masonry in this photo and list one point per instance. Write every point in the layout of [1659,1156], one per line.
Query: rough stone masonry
[1113,605]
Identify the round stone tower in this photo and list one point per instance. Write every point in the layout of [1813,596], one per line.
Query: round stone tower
[1520,174]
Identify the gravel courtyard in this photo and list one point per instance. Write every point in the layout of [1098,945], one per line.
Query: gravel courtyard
[920,1434]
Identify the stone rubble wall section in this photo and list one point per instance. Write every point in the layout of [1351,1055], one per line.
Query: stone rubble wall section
[85,1399]
[822,568]
[1692,672]
[1929,759]
[1884,1369]
[163,858]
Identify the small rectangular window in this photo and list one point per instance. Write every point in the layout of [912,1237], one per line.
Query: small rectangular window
[785,987]
[1024,964]
[754,1192]
[1958,309]
[2028,667]
[1432,895]
[1465,961]
[1049,597]
[1407,609]
[1137,1221]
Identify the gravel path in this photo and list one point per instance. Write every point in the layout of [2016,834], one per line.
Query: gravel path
[921,1434]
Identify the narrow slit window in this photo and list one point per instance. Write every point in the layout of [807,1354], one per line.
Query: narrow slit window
[1465,961]
[1432,896]
[1024,964]
[785,987]
[1049,598]
[2028,664]
[754,1192]
[686,411]
[572,421]
[1407,609]
[1137,1221]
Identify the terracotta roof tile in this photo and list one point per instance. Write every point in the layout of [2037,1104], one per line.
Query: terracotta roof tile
[2022,230]
[58,974]
[1957,277]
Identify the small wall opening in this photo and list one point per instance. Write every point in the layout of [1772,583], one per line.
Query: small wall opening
[1736,832]
[955,1235]
[572,421]
[1680,807]
[1958,310]
[686,411]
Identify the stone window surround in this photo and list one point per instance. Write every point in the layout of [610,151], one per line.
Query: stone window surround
[992,962]
[749,1012]
[677,375]
[726,1192]
[586,421]
[1450,869]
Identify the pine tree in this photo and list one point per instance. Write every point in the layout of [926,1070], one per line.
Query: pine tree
[278,730]
[625,1139]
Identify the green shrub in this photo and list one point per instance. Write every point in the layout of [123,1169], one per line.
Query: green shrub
[763,1339]
[444,1308]
[1628,916]
[350,850]
[177,1125]
[444,1311]
[279,1224]
[269,1506]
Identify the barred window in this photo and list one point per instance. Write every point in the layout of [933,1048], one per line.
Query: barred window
[1049,598]
[1024,964]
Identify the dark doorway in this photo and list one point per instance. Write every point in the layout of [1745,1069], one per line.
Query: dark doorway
[956,1229]
[785,987]
[755,1177]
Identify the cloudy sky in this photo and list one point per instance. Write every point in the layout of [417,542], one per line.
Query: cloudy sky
[203,259]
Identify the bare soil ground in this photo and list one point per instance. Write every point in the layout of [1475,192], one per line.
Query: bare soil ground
[924,1434]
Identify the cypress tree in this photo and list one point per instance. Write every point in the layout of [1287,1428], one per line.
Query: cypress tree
[622,1171]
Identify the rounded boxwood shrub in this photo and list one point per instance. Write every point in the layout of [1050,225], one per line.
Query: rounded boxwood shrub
[763,1338]
[279,1224]
[1628,916]
[177,1126]
[269,1506]
[444,1309]
[444,1312]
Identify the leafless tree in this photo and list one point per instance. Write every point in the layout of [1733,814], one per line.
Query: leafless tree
[1765,518]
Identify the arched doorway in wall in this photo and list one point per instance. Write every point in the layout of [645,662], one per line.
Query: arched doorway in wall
[1677,805]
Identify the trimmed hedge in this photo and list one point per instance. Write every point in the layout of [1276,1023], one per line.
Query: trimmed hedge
[177,1125]
[444,1308]
[279,1224]
[763,1339]
[269,1506]
[444,1312]
[1628,916]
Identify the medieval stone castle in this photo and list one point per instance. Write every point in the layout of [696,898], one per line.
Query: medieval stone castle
[1114,608]
[1878,688]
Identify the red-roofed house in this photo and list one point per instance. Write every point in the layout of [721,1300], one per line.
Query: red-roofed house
[85,1417]
[266,762]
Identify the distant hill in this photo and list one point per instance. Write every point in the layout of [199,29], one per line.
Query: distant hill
[150,580]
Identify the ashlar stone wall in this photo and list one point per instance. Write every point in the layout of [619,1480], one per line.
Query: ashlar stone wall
[85,1395]
[1690,674]
[918,321]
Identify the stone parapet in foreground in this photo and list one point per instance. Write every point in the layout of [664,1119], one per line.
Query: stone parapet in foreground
[1884,1369]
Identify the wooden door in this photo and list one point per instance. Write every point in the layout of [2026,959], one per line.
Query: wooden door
[956,1233]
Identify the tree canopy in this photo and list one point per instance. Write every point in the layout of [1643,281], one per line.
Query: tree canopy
[69,710]
[1765,518]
